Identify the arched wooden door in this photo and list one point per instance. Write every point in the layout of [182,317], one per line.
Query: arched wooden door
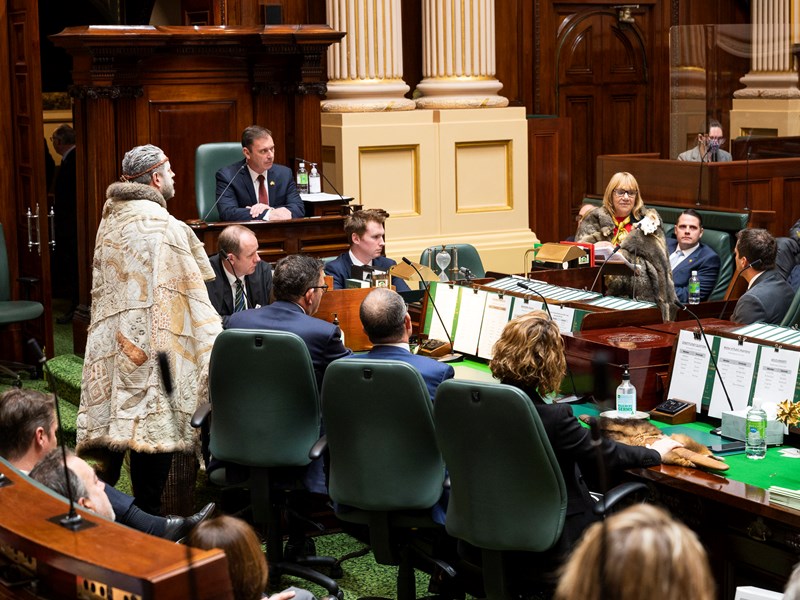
[602,86]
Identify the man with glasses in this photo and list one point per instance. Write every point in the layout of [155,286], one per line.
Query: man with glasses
[255,187]
[387,324]
[708,148]
[298,284]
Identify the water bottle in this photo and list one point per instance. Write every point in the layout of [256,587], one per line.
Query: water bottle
[694,288]
[336,322]
[302,179]
[756,432]
[626,396]
[314,180]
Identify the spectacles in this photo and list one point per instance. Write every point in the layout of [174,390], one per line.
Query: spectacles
[630,193]
[324,288]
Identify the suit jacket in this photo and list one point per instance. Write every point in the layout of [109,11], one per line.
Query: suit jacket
[703,260]
[766,301]
[693,155]
[235,203]
[323,339]
[257,287]
[341,267]
[432,371]
[572,446]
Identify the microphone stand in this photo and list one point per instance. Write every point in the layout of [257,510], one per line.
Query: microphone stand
[72,520]
[321,172]
[450,355]
[566,399]
[700,179]
[603,266]
[213,206]
[747,176]
[682,306]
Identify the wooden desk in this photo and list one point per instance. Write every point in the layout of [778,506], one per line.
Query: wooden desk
[108,555]
[317,236]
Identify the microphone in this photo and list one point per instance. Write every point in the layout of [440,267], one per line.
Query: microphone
[755,263]
[72,520]
[603,266]
[213,206]
[747,173]
[224,256]
[682,306]
[430,297]
[700,179]
[466,273]
[566,399]
[321,172]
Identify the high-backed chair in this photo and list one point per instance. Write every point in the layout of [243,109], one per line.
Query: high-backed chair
[507,492]
[14,311]
[386,471]
[720,242]
[265,416]
[467,257]
[792,316]
[208,159]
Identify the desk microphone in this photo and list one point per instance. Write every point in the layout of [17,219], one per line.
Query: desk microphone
[72,520]
[603,266]
[755,263]
[224,256]
[682,306]
[566,399]
[466,273]
[700,179]
[213,206]
[433,303]
[321,172]
[747,174]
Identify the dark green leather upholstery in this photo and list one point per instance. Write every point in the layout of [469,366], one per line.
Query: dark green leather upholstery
[720,242]
[13,311]
[208,159]
[467,257]
[792,317]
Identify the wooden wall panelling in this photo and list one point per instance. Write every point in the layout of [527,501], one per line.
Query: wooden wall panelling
[550,178]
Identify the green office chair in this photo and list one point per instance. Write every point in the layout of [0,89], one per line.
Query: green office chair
[792,317]
[386,471]
[720,242]
[13,312]
[265,406]
[467,257]
[507,493]
[208,159]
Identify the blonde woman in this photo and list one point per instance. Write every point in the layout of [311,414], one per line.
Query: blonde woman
[640,553]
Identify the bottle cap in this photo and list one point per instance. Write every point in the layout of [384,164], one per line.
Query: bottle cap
[694,273]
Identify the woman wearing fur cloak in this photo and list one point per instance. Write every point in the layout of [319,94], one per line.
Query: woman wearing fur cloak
[624,220]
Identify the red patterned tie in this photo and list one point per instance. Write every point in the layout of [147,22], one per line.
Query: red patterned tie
[263,198]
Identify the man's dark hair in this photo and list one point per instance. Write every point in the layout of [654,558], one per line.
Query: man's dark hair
[64,134]
[712,123]
[692,213]
[382,314]
[22,412]
[757,244]
[253,133]
[294,275]
[50,472]
[357,222]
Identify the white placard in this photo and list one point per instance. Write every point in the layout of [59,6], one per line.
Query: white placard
[736,364]
[495,317]
[446,298]
[690,369]
[563,317]
[470,316]
[523,306]
[777,374]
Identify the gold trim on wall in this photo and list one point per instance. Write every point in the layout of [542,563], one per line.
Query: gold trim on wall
[414,149]
[508,145]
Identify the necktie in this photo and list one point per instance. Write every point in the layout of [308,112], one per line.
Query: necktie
[675,258]
[239,302]
[263,198]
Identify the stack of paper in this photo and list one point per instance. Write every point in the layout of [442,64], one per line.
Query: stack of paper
[784,497]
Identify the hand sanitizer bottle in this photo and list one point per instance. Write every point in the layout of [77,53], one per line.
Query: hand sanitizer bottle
[626,396]
[302,179]
[314,180]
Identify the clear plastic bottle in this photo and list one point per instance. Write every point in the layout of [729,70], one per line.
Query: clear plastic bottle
[336,322]
[756,432]
[694,288]
[302,179]
[314,180]
[626,396]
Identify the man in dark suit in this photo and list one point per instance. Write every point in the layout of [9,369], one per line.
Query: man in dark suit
[242,280]
[687,254]
[388,326]
[64,262]
[768,296]
[263,190]
[365,231]
[298,284]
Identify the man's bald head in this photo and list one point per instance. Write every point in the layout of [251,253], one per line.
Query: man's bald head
[383,316]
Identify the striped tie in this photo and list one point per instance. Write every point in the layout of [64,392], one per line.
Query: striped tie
[239,302]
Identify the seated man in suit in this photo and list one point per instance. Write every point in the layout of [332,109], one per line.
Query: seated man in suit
[687,254]
[365,232]
[298,284]
[265,191]
[708,146]
[387,324]
[238,260]
[28,428]
[768,296]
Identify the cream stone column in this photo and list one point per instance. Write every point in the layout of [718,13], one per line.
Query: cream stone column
[365,70]
[458,55]
[769,103]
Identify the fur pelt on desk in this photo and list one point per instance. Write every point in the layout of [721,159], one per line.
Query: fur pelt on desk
[653,283]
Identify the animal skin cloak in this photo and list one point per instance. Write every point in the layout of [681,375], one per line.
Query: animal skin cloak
[649,251]
[148,295]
